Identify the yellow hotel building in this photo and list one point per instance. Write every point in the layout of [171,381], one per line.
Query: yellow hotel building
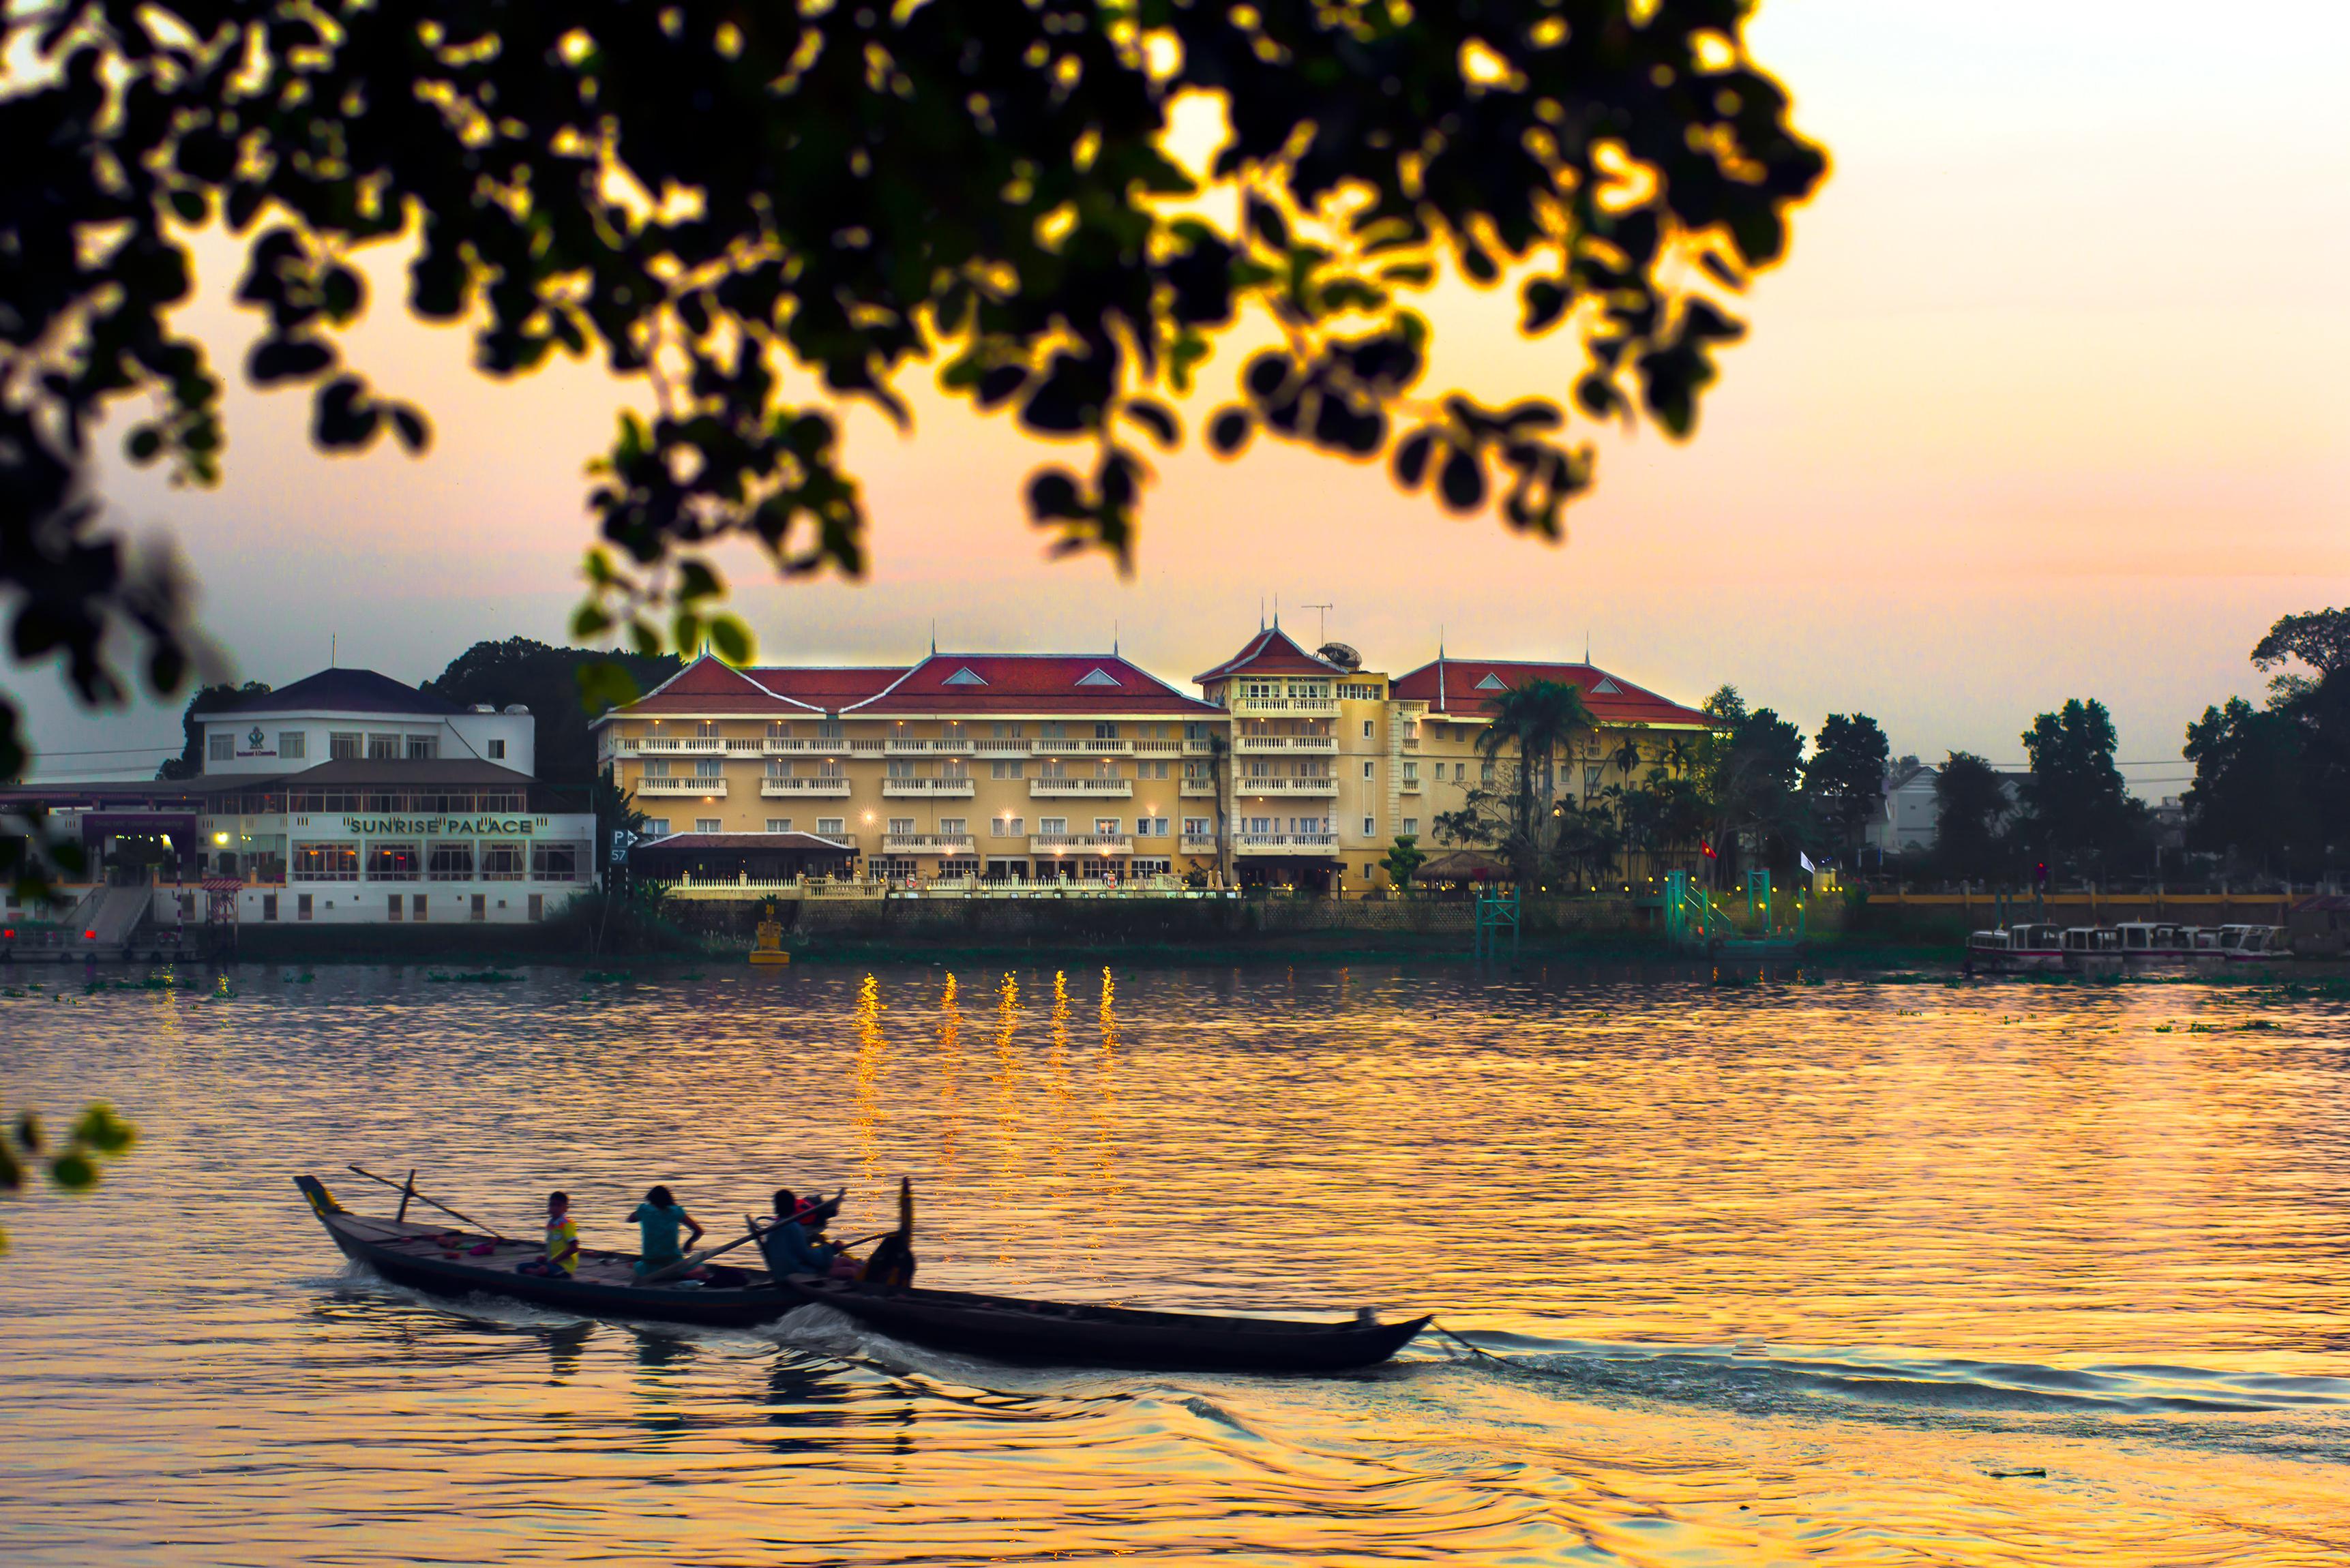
[1291,767]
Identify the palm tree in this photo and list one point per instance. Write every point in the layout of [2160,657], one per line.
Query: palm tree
[1537,719]
[1626,757]
[1220,752]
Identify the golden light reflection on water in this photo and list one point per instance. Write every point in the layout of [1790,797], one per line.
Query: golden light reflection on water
[1815,1272]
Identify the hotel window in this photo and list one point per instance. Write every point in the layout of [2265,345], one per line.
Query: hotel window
[1006,770]
[1366,770]
[1104,768]
[269,906]
[497,751]
[1367,729]
[1150,826]
[393,862]
[292,745]
[1007,827]
[829,827]
[954,828]
[220,747]
[1412,827]
[1052,730]
[1106,827]
[655,827]
[777,730]
[827,730]
[1053,827]
[1105,732]
[420,748]
[1195,731]
[481,910]
[779,824]
[829,768]
[325,863]
[383,748]
[900,826]
[707,768]
[562,862]
[954,768]
[1053,768]
[343,746]
[1411,772]
[708,824]
[449,862]
[658,769]
[777,768]
[1369,827]
[952,733]
[502,862]
[1259,824]
[1484,772]
[901,769]
[1591,777]
[302,906]
[1196,828]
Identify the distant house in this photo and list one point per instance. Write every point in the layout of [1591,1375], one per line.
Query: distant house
[1910,822]
[1907,821]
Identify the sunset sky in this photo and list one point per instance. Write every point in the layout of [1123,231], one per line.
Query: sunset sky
[2047,402]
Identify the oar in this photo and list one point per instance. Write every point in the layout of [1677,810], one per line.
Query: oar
[408,1190]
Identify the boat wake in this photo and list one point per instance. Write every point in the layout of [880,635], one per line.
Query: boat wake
[2307,1415]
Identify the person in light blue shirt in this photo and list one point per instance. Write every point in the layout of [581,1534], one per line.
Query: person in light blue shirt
[658,1219]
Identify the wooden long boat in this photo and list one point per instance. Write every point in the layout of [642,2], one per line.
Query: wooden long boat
[445,1261]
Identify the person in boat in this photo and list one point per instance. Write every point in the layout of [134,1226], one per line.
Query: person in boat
[658,1219]
[792,1243]
[562,1259]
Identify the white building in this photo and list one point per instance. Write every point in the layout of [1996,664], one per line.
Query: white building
[346,798]
[1908,819]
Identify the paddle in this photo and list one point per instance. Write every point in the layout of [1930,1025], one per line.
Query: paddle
[407,1189]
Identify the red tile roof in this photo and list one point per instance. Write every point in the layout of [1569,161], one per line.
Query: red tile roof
[708,686]
[1270,652]
[1031,683]
[1461,688]
[826,688]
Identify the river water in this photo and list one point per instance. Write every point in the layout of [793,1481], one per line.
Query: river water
[1840,1272]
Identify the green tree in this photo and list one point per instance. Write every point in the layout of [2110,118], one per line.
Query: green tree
[190,762]
[1748,768]
[2272,787]
[1530,725]
[712,197]
[564,688]
[1403,860]
[1845,778]
[1971,807]
[2077,809]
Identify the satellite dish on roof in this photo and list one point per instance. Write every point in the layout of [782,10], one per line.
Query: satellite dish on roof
[1339,654]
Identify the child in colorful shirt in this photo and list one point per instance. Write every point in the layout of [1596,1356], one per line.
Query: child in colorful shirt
[562,1259]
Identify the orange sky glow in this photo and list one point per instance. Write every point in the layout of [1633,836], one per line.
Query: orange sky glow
[2047,402]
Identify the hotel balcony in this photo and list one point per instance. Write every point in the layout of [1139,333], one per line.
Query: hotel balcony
[1409,786]
[931,789]
[1284,743]
[1285,705]
[710,789]
[1088,789]
[928,844]
[919,746]
[995,746]
[1164,748]
[1080,844]
[676,745]
[1286,843]
[1086,747]
[1199,844]
[1269,785]
[1198,748]
[1200,789]
[807,746]
[800,789]
[1412,742]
